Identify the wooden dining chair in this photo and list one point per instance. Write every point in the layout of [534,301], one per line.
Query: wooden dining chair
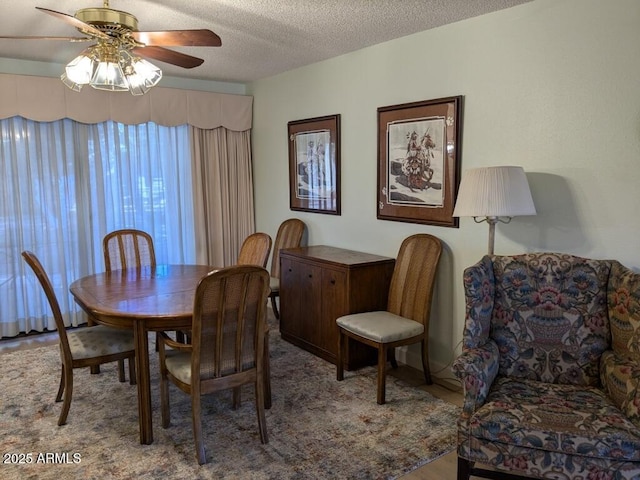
[289,236]
[84,347]
[128,248]
[227,349]
[255,250]
[406,319]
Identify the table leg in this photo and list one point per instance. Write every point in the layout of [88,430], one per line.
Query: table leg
[94,369]
[144,382]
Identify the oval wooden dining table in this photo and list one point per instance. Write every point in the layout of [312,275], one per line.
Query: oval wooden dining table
[144,300]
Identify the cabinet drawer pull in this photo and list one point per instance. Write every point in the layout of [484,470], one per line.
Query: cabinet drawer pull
[310,275]
[333,281]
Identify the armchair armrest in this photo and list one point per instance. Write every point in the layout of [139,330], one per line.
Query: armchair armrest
[479,291]
[168,341]
[476,368]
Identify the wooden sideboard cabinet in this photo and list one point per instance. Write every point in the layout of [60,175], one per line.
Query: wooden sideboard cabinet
[321,283]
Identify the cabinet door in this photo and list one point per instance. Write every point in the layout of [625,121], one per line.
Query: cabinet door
[334,305]
[309,315]
[299,305]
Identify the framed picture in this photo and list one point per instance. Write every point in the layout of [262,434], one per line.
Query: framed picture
[314,165]
[419,161]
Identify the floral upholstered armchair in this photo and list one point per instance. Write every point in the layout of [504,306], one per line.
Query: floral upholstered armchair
[550,369]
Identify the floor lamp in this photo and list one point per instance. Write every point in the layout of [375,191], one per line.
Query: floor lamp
[492,195]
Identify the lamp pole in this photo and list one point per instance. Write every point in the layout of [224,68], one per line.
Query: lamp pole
[492,232]
[492,228]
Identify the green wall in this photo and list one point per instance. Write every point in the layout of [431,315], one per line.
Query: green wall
[550,85]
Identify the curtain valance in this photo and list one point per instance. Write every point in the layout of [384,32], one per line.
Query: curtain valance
[46,99]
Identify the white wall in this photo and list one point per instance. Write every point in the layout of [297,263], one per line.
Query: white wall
[551,85]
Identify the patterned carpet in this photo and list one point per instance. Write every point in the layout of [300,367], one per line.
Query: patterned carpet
[318,428]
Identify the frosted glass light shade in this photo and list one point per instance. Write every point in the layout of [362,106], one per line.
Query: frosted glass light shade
[494,192]
[148,71]
[79,70]
[145,75]
[111,66]
[76,87]
[136,84]
[109,76]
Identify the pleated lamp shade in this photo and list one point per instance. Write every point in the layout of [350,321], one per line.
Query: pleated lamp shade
[494,192]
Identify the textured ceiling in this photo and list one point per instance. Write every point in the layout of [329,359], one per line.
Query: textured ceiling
[260,38]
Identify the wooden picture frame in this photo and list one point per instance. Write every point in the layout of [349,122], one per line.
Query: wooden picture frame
[314,164]
[419,161]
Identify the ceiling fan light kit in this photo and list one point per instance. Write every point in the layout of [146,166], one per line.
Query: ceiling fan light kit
[107,66]
[115,63]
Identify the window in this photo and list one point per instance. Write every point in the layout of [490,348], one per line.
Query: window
[65,185]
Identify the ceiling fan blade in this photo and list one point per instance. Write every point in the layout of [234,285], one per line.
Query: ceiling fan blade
[68,39]
[79,24]
[178,38]
[168,56]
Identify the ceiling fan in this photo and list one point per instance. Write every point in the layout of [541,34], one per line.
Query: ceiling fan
[119,43]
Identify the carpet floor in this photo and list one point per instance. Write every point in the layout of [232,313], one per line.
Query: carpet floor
[318,428]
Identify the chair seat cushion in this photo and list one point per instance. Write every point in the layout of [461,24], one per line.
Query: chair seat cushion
[568,419]
[381,326]
[98,341]
[179,365]
[274,284]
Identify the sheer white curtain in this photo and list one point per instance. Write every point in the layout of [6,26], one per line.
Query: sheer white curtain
[64,185]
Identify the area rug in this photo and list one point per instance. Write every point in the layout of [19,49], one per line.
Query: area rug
[318,428]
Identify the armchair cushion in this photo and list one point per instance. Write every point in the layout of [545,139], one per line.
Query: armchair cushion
[550,317]
[569,419]
[543,430]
